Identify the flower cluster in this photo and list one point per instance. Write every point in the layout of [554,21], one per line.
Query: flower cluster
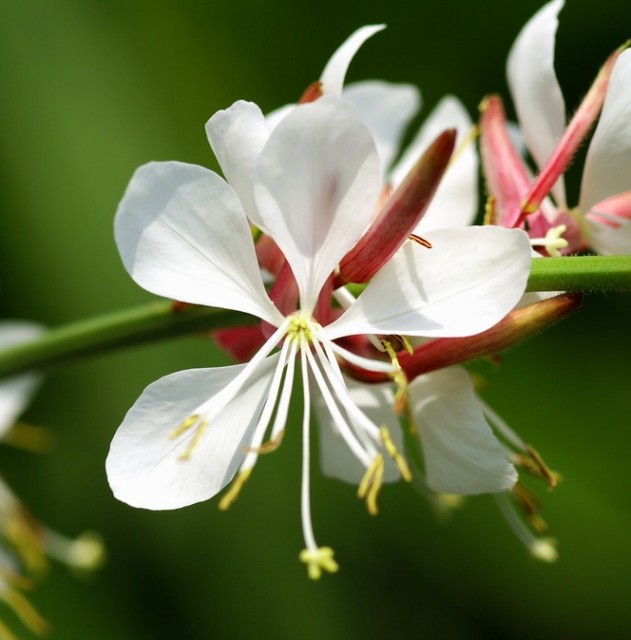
[25,543]
[367,276]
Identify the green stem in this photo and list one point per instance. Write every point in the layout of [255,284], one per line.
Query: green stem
[158,321]
[152,322]
[581,273]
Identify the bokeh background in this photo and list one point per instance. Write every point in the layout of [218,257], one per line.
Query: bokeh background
[89,91]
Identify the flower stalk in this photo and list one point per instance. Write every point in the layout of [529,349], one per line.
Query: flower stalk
[157,321]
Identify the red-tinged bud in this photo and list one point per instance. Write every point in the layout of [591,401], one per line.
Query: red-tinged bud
[311,93]
[506,176]
[240,342]
[574,134]
[284,294]
[400,214]
[444,352]
[268,255]
[612,211]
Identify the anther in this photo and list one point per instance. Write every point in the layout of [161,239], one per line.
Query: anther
[529,506]
[194,441]
[399,378]
[532,462]
[182,427]
[269,446]
[371,484]
[393,452]
[233,492]
[424,243]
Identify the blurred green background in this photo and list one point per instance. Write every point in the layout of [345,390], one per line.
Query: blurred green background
[89,91]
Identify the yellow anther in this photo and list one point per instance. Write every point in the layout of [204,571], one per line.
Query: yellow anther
[24,610]
[184,426]
[233,492]
[544,549]
[393,452]
[269,446]
[405,343]
[24,533]
[445,504]
[318,560]
[399,378]
[371,484]
[529,505]
[194,441]
[29,437]
[489,210]
[532,462]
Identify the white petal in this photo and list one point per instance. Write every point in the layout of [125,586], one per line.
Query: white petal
[182,234]
[337,459]
[319,181]
[143,465]
[332,77]
[273,118]
[387,110]
[455,203]
[535,89]
[16,393]
[608,159]
[608,240]
[460,451]
[237,136]
[467,282]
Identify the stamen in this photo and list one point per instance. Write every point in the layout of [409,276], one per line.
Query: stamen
[553,241]
[262,424]
[400,380]
[543,549]
[472,134]
[25,610]
[370,485]
[85,553]
[393,452]
[183,426]
[353,443]
[529,505]
[534,464]
[29,437]
[319,560]
[405,343]
[489,210]
[194,441]
[233,491]
[424,243]
[268,447]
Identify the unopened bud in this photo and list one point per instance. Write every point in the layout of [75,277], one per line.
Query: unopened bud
[444,352]
[506,177]
[400,214]
[574,134]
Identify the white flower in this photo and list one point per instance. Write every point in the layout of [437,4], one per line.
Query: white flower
[460,452]
[16,393]
[312,186]
[604,208]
